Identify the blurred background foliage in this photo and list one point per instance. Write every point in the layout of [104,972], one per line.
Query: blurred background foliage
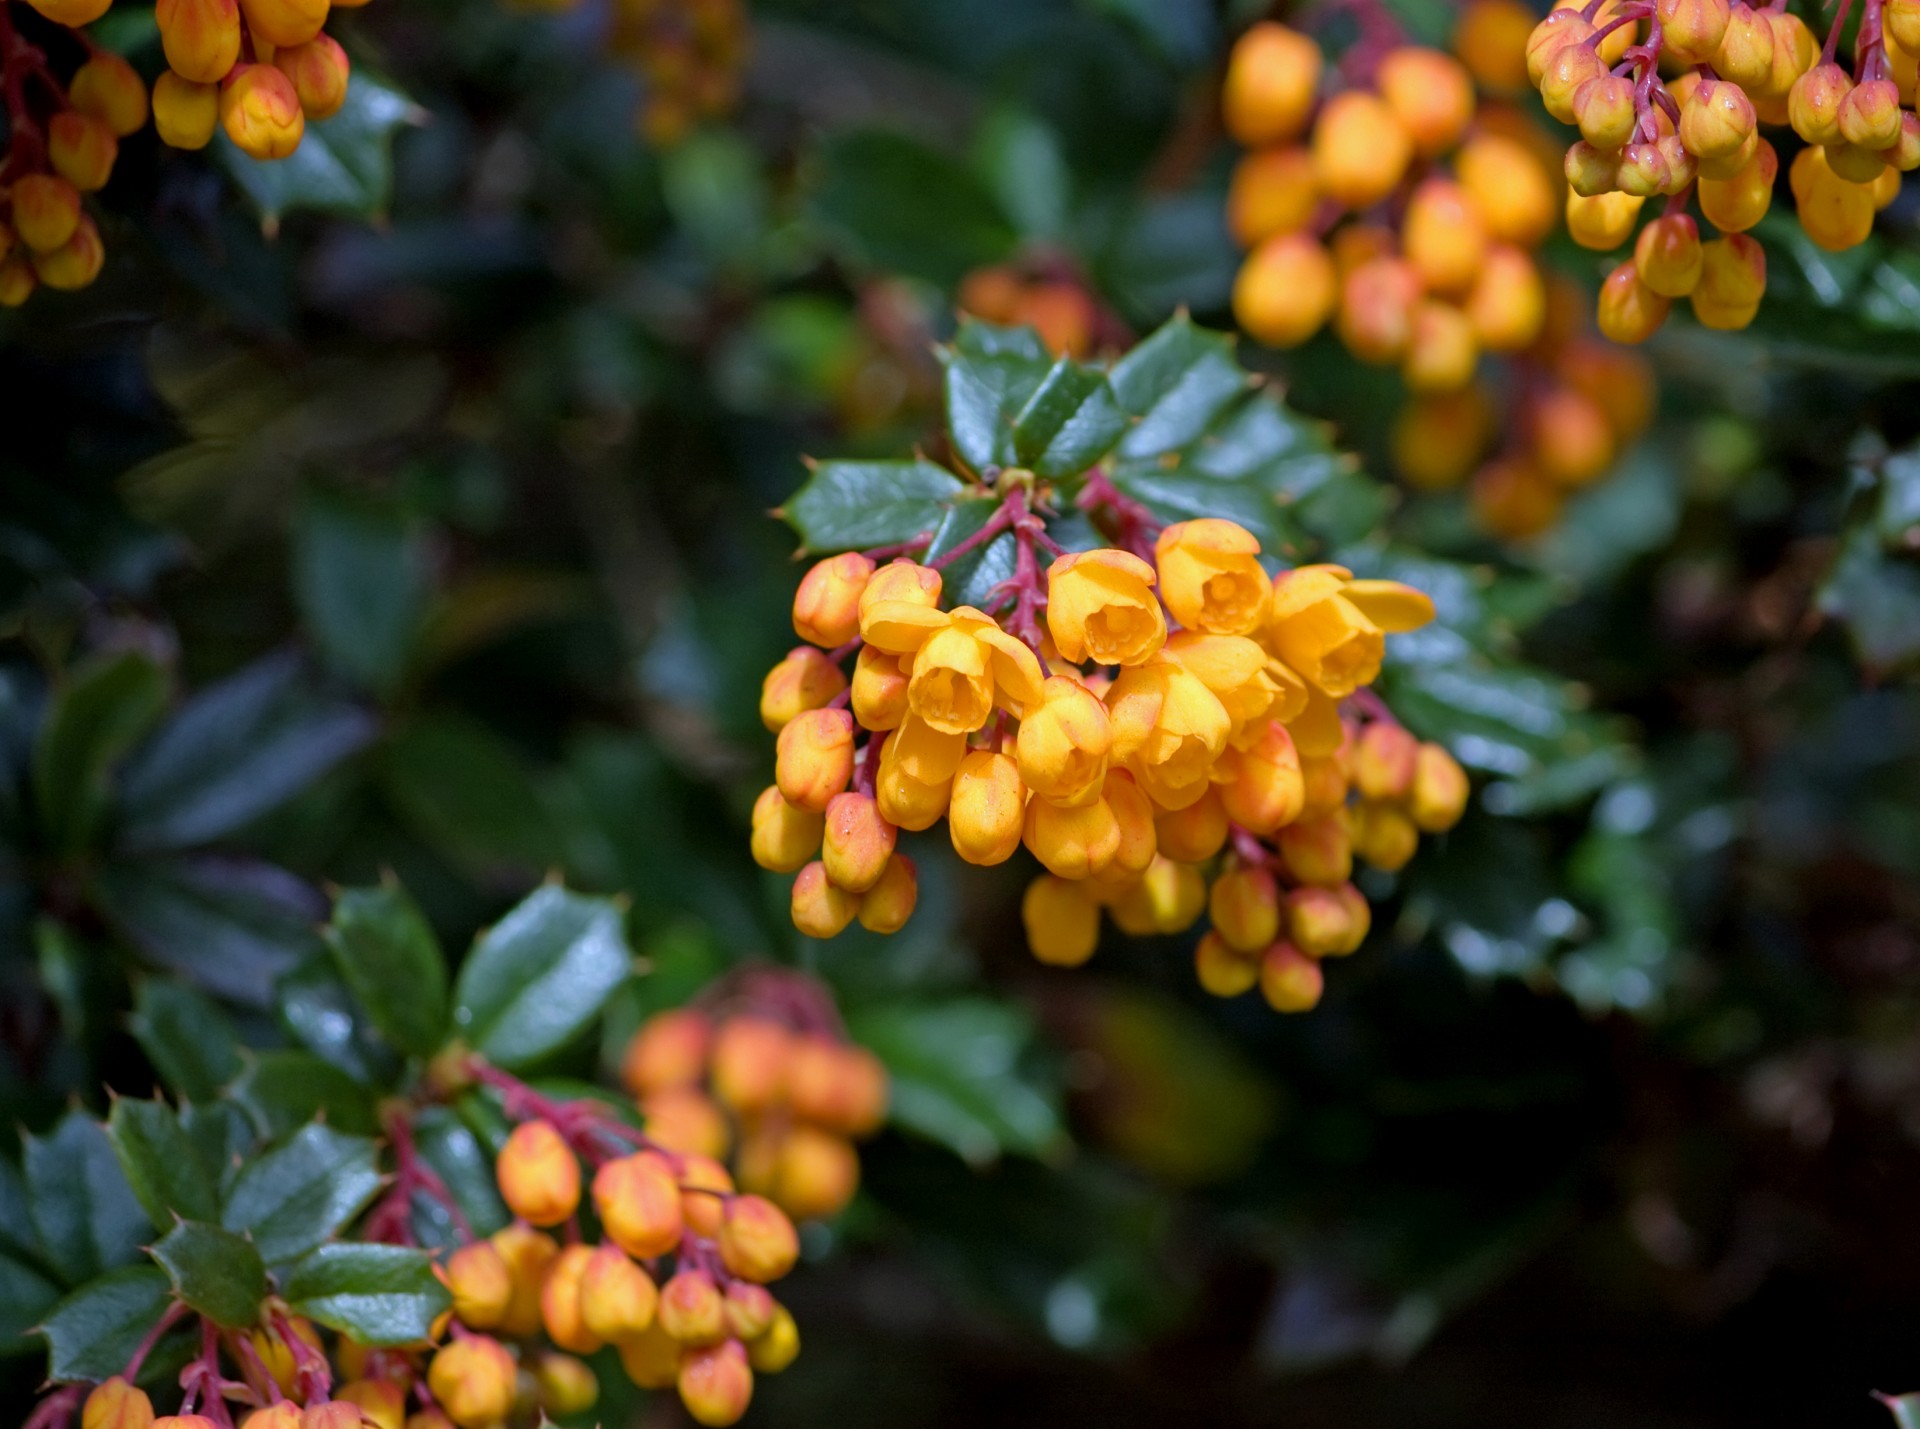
[408,511]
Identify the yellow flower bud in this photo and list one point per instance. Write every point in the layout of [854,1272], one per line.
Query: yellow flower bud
[1222,969]
[1290,981]
[473,1381]
[1443,236]
[805,680]
[1269,89]
[75,263]
[115,1404]
[1101,607]
[638,1201]
[539,1174]
[1440,789]
[1193,834]
[1377,302]
[1168,898]
[857,843]
[566,1385]
[75,13]
[1267,789]
[46,211]
[1360,149]
[319,70]
[527,1253]
[1491,39]
[111,90]
[185,113]
[691,1309]
[716,1383]
[1272,192]
[1076,842]
[813,758]
[907,802]
[1326,778]
[1383,761]
[785,838]
[285,22]
[686,1120]
[1063,744]
[757,1241]
[331,1414]
[652,1359]
[381,1402]
[820,907]
[779,1346]
[1442,349]
[886,907]
[989,807]
[481,1284]
[826,608]
[260,112]
[617,1297]
[1629,310]
[1285,291]
[1667,255]
[704,1187]
[286,1415]
[201,38]
[1813,105]
[1244,904]
[1133,812]
[1835,214]
[1168,730]
[925,753]
[1318,729]
[1605,221]
[1321,634]
[752,1057]
[1508,303]
[1516,195]
[1323,922]
[1318,851]
[1563,27]
[1210,576]
[816,1174]
[1733,279]
[879,689]
[81,149]
[1430,93]
[1062,921]
[1384,836]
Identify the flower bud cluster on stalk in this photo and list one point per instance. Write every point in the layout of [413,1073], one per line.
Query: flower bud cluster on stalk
[1400,197]
[1169,728]
[1678,117]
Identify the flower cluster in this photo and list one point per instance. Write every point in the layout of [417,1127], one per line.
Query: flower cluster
[689,52]
[1162,708]
[57,152]
[1698,137]
[761,1069]
[1056,305]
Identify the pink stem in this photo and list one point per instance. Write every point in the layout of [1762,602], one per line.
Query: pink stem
[1833,35]
[1001,520]
[877,554]
[56,1411]
[172,1316]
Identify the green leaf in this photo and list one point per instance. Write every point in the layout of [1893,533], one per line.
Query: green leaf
[894,204]
[104,706]
[222,1134]
[1176,384]
[94,1331]
[362,578]
[467,794]
[847,505]
[215,1272]
[1877,595]
[282,1091]
[82,1208]
[970,579]
[377,1294]
[160,1163]
[186,1037]
[992,373]
[233,752]
[1020,159]
[296,1196]
[344,165]
[388,955]
[537,977]
[25,1295]
[233,925]
[456,1154]
[1069,423]
[320,1014]
[959,1076]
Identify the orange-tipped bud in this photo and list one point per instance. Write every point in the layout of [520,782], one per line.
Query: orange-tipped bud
[46,211]
[1603,108]
[1285,291]
[841,1086]
[1271,192]
[907,801]
[1221,968]
[115,1404]
[75,263]
[1572,442]
[565,1386]
[1727,165]
[1735,205]
[638,1200]
[478,1278]
[886,907]
[778,1347]
[1562,27]
[1814,103]
[1193,834]
[1718,119]
[1244,904]
[1904,153]
[1571,67]
[286,1415]
[1795,53]
[81,149]
[111,90]
[539,1174]
[560,1301]
[1290,981]
[826,608]
[785,838]
[1269,90]
[813,758]
[1870,114]
[1590,171]
[704,1186]
[332,1414]
[716,1383]
[1443,236]
[1442,350]
[988,808]
[260,112]
[1360,149]
[1384,758]
[183,1421]
[1168,898]
[820,907]
[381,1402]
[686,1120]
[1835,214]
[757,1241]
[472,1379]
[1643,171]
[617,1297]
[1133,813]
[1440,790]
[857,842]
[691,1309]
[1733,279]
[669,1050]
[811,1174]
[185,114]
[1490,38]
[285,22]
[1605,221]
[805,680]
[201,39]
[1630,311]
[1693,29]
[749,1310]
[1061,920]
[1376,310]
[1316,851]
[320,71]
[1430,93]
[900,591]
[1745,55]
[879,689]
[1078,842]
[652,1358]
[1384,836]
[1438,438]
[527,1253]
[1319,922]
[1267,790]
[750,1062]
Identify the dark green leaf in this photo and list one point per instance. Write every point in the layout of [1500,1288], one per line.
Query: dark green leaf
[1069,423]
[344,165]
[94,1331]
[320,1014]
[85,1213]
[991,374]
[450,1147]
[25,1296]
[234,751]
[1020,158]
[362,578]
[542,973]
[285,1090]
[467,793]
[897,205]
[214,1271]
[377,1294]
[970,579]
[186,1037]
[16,1221]
[1177,384]
[846,505]
[389,957]
[221,1134]
[105,706]
[160,1164]
[297,1195]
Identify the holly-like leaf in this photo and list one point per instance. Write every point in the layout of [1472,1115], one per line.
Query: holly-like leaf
[25,1295]
[283,1091]
[851,504]
[377,1294]
[86,1215]
[456,1155]
[970,578]
[388,955]
[344,165]
[467,793]
[992,373]
[94,1331]
[1069,423]
[234,751]
[320,1014]
[1176,384]
[362,576]
[160,1163]
[216,1272]
[221,1135]
[186,1037]
[541,974]
[296,1196]
[104,706]
[892,203]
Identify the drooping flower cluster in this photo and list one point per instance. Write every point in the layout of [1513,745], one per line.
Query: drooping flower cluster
[1698,137]
[1154,716]
[761,1070]
[1401,199]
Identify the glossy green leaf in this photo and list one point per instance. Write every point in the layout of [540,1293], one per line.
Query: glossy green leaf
[215,1271]
[25,1295]
[539,976]
[388,955]
[450,1147]
[94,718]
[298,1195]
[847,505]
[94,1331]
[362,578]
[283,1091]
[1176,384]
[344,165]
[992,373]
[319,1013]
[470,796]
[221,1134]
[892,203]
[377,1294]
[86,1215]
[160,1164]
[186,1037]
[233,752]
[1069,423]
[969,579]
[961,1076]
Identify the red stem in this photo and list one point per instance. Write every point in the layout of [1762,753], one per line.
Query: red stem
[172,1316]
[56,1411]
[1828,50]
